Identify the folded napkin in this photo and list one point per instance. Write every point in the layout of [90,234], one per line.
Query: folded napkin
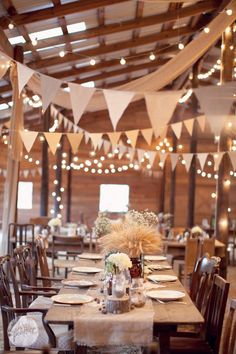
[92,328]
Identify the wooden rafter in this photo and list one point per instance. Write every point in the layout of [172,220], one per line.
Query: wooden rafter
[11,10]
[192,10]
[123,70]
[58,11]
[110,48]
[102,65]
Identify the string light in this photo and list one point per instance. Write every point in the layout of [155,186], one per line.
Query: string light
[55,126]
[229,12]
[216,67]
[186,96]
[62,53]
[11,25]
[164,146]
[92,62]
[181,46]
[152,56]
[206,29]
[122,61]
[34,42]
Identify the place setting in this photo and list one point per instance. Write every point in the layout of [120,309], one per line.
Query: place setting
[166,296]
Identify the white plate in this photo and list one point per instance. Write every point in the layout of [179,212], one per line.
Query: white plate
[78,283]
[93,256]
[72,299]
[165,295]
[156,266]
[162,277]
[155,258]
[87,269]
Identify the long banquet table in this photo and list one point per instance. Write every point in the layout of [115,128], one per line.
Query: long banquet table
[166,316]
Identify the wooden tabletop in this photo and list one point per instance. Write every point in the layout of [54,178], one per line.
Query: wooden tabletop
[165,314]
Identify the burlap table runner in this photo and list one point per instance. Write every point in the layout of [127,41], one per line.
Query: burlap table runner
[92,328]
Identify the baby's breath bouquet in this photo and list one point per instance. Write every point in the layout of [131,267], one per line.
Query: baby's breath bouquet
[54,222]
[102,225]
[144,218]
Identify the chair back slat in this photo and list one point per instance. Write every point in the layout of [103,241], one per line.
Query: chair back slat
[204,265]
[207,245]
[19,234]
[215,312]
[228,344]
[42,261]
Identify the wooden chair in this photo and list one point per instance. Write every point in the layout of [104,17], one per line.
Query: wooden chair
[9,312]
[58,336]
[185,267]
[41,221]
[19,234]
[207,245]
[209,341]
[228,345]
[26,264]
[72,246]
[204,265]
[45,276]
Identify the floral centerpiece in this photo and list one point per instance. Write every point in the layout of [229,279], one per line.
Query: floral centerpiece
[133,238]
[118,262]
[54,222]
[196,231]
[146,217]
[102,225]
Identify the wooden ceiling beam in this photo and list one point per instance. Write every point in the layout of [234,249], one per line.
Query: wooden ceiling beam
[58,11]
[192,10]
[11,10]
[124,70]
[107,64]
[110,48]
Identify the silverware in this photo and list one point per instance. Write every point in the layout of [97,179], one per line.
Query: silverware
[171,302]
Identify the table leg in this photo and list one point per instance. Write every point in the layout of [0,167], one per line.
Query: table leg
[163,333]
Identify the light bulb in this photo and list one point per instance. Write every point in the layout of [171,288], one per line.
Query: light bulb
[10,26]
[229,12]
[34,42]
[206,29]
[181,46]
[61,53]
[122,61]
[92,62]
[152,56]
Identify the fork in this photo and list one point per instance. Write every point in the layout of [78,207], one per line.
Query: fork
[171,302]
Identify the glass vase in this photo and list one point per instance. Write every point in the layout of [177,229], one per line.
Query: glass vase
[136,271]
[118,285]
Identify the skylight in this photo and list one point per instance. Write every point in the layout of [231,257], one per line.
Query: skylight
[3,106]
[50,33]
[76,27]
[88,84]
[16,40]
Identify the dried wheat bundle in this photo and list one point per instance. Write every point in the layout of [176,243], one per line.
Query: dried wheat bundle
[131,239]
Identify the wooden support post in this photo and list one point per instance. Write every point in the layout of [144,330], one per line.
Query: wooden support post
[14,155]
[58,177]
[193,149]
[69,178]
[162,196]
[223,182]
[45,170]
[172,184]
